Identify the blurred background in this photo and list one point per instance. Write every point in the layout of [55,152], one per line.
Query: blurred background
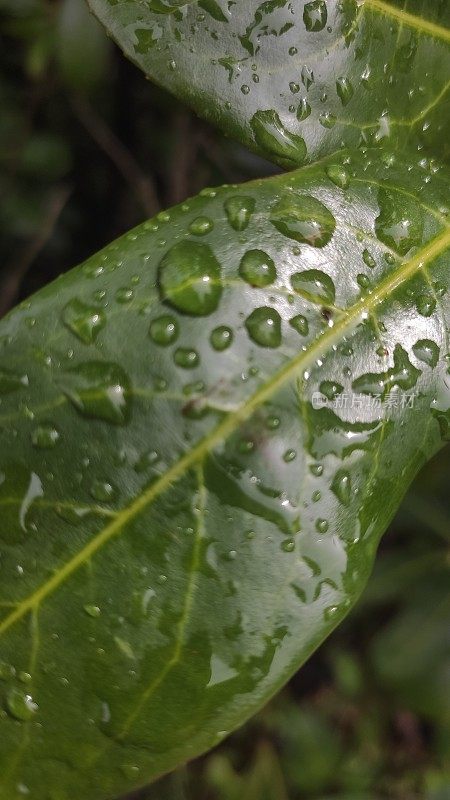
[88,149]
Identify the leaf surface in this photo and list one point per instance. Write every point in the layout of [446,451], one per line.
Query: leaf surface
[204,431]
[297,80]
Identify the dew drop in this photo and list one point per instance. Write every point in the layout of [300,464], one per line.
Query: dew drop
[338,175]
[186,358]
[99,390]
[303,110]
[288,545]
[221,338]
[190,278]
[341,486]
[344,90]
[201,226]
[322,525]
[257,268]
[427,351]
[102,491]
[300,324]
[84,321]
[304,219]
[426,305]
[289,455]
[20,705]
[331,389]
[264,327]
[92,611]
[368,259]
[315,15]
[399,224]
[45,437]
[239,210]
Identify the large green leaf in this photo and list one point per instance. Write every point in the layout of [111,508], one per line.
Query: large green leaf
[204,430]
[294,79]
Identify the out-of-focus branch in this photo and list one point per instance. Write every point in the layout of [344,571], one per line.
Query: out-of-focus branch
[141,184]
[16,270]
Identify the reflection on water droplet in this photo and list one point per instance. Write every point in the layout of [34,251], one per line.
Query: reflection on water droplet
[239,210]
[314,285]
[102,491]
[304,110]
[427,351]
[46,436]
[20,705]
[257,268]
[403,375]
[164,330]
[201,226]
[186,357]
[272,136]
[304,219]
[300,324]
[190,278]
[84,321]
[221,338]
[264,327]
[99,390]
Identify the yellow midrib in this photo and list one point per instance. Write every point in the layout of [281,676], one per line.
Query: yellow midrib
[404,17]
[349,320]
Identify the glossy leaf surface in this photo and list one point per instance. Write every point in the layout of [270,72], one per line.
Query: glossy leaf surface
[204,430]
[297,80]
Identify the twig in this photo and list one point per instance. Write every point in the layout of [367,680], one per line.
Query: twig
[17,269]
[118,153]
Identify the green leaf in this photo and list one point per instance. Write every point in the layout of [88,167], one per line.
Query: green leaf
[296,80]
[195,468]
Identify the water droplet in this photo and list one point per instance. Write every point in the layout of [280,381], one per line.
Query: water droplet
[288,545]
[338,175]
[399,224]
[307,77]
[304,110]
[84,321]
[314,285]
[164,330]
[257,268]
[289,455]
[20,705]
[426,304]
[322,525]
[363,280]
[342,487]
[221,338]
[124,295]
[102,491]
[239,210]
[271,135]
[190,278]
[300,324]
[264,327]
[7,671]
[45,436]
[368,259]
[315,15]
[130,771]
[99,390]
[403,374]
[427,351]
[201,226]
[186,357]
[304,219]
[11,381]
[327,119]
[331,389]
[316,470]
[345,90]
[92,611]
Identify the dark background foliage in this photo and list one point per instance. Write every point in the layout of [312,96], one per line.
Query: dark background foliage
[89,149]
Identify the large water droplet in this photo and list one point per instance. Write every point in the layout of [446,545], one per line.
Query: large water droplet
[271,135]
[201,226]
[99,390]
[427,351]
[305,219]
[426,305]
[345,90]
[84,321]
[190,278]
[315,15]
[403,374]
[221,338]
[399,224]
[257,268]
[20,705]
[239,210]
[314,285]
[264,327]
[300,324]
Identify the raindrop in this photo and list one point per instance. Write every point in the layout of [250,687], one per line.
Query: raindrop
[427,351]
[338,175]
[322,525]
[201,226]
[345,90]
[426,304]
[331,389]
[257,268]
[84,321]
[92,611]
[186,357]
[239,210]
[304,219]
[190,278]
[20,705]
[271,135]
[300,324]
[221,338]
[314,285]
[368,259]
[341,486]
[304,110]
[45,436]
[164,330]
[315,15]
[399,224]
[102,491]
[264,327]
[99,390]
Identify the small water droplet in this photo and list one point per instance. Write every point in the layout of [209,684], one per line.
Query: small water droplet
[344,90]
[186,358]
[314,285]
[426,305]
[84,321]
[20,705]
[201,226]
[11,381]
[92,611]
[102,491]
[99,390]
[427,351]
[303,110]
[368,259]
[273,138]
[300,324]
[399,224]
[341,486]
[322,525]
[164,330]
[221,338]
[338,175]
[45,436]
